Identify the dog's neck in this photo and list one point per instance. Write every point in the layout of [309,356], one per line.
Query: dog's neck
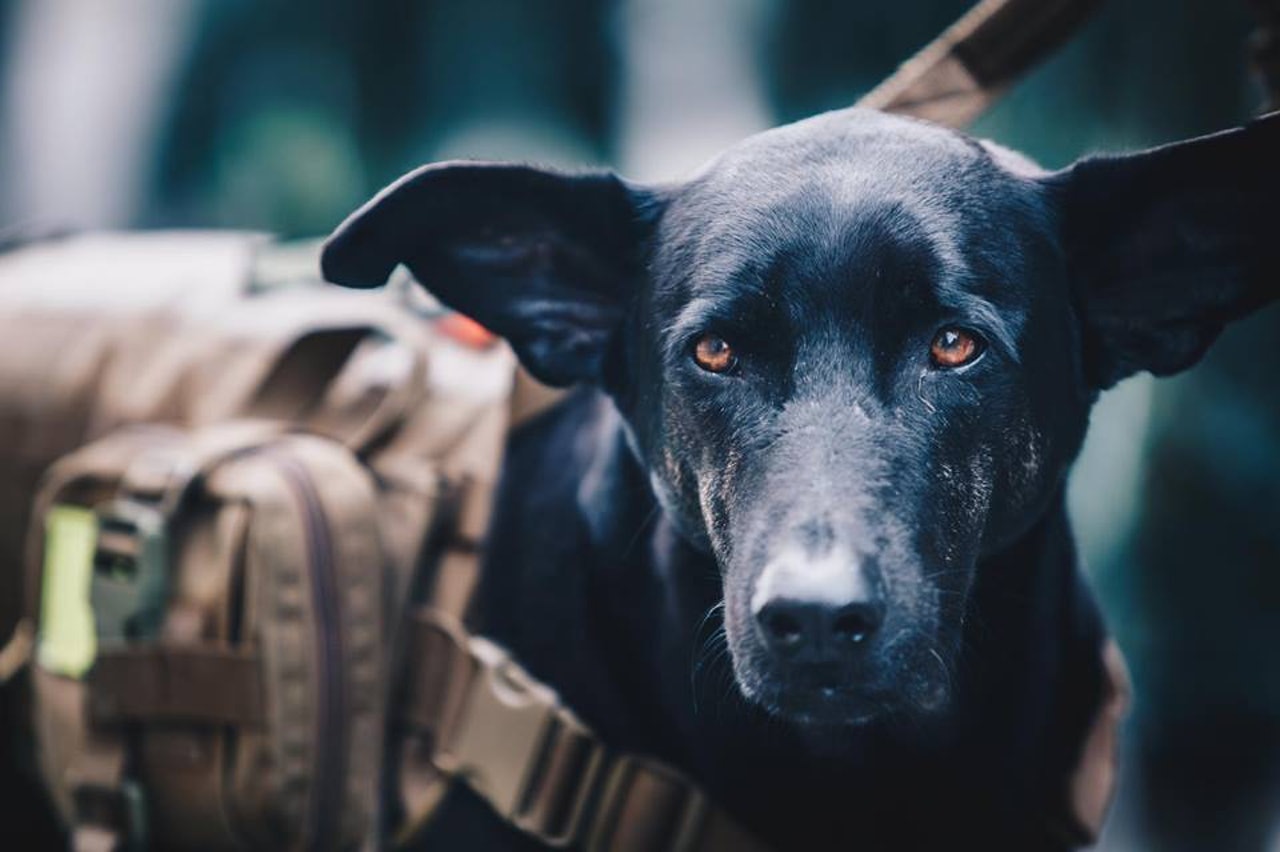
[593,589]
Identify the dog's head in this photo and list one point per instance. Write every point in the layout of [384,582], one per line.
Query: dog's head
[854,354]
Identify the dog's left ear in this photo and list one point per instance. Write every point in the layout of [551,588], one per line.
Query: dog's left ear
[547,260]
[1166,246]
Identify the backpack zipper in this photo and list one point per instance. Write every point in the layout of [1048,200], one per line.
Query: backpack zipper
[330,746]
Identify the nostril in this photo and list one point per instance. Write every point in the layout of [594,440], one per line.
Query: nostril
[851,626]
[783,627]
[856,623]
[817,629]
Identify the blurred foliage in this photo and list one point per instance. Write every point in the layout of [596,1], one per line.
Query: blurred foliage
[289,114]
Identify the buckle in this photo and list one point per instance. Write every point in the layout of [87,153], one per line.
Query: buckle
[502,728]
[502,732]
[130,571]
[506,740]
[120,810]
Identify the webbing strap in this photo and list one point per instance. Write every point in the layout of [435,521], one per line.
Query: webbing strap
[176,683]
[296,386]
[509,737]
[1093,782]
[962,72]
[529,397]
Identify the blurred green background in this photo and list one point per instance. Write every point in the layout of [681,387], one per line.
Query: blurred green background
[284,115]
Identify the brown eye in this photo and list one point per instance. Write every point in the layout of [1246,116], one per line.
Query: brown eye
[955,347]
[714,354]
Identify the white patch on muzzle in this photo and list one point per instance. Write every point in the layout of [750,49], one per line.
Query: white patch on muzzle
[833,579]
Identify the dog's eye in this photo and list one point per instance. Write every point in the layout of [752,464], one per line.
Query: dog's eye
[714,354]
[955,347]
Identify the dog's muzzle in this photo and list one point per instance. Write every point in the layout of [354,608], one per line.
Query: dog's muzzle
[818,617]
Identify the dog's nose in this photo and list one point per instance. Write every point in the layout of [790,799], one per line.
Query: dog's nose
[823,610]
[809,628]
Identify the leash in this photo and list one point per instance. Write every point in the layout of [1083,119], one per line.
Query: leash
[961,73]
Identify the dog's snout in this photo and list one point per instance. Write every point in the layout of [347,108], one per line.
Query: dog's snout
[817,610]
[809,628]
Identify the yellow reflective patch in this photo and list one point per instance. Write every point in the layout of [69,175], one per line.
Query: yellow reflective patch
[67,643]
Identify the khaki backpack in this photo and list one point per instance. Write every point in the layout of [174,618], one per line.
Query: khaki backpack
[237,491]
[222,684]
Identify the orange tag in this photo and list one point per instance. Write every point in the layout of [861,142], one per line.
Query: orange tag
[466,331]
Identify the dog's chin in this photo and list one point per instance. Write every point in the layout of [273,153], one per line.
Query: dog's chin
[824,708]
[829,707]
[813,705]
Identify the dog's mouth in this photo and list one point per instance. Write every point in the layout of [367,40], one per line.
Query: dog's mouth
[819,702]
[906,679]
[822,705]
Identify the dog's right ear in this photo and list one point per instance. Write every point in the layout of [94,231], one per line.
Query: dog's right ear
[1165,247]
[547,260]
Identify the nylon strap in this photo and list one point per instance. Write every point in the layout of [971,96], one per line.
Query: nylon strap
[529,398]
[176,683]
[295,384]
[1092,784]
[511,740]
[961,73]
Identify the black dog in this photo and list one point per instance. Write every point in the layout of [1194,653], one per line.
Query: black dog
[834,384]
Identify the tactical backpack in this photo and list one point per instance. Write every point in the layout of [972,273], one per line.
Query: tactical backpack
[224,685]
[234,506]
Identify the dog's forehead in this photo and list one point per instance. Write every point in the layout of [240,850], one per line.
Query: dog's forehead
[840,157]
[892,147]
[845,194]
